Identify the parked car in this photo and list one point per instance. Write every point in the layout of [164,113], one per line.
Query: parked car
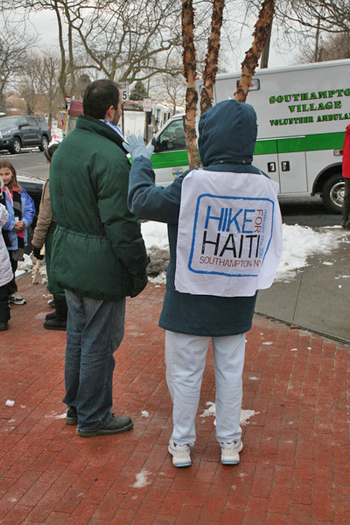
[24,131]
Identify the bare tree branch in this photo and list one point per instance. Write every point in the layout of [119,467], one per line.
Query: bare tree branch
[14,45]
[249,64]
[211,60]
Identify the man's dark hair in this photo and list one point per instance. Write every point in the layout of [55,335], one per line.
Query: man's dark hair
[99,96]
[50,151]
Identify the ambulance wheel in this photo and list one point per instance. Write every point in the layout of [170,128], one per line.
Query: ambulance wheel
[333,193]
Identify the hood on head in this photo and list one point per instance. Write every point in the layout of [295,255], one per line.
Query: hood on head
[227,133]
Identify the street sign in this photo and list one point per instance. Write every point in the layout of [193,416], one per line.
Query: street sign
[124,88]
[147,105]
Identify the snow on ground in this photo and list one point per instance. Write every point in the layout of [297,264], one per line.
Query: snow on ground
[245,414]
[56,134]
[299,243]
[155,234]
[157,245]
[142,479]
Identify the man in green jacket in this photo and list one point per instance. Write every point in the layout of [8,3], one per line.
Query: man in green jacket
[98,256]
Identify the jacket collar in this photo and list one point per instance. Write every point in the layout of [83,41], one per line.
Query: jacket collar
[91,123]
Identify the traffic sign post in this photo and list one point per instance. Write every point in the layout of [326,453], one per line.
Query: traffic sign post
[124,88]
[147,108]
[147,105]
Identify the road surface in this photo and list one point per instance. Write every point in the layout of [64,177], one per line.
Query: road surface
[30,161]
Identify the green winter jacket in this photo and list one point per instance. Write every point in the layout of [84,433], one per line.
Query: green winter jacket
[97,246]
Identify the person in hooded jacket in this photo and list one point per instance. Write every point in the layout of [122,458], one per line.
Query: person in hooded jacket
[227,135]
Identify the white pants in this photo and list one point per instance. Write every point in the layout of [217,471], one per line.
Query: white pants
[185,357]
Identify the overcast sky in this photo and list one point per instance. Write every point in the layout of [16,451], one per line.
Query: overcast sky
[46,26]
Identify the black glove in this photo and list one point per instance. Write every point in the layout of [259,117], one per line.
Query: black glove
[37,254]
[140,282]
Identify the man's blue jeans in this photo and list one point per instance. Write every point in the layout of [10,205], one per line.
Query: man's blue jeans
[95,329]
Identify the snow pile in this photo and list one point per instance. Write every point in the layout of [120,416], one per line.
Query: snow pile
[299,243]
[25,266]
[156,240]
[56,135]
[155,234]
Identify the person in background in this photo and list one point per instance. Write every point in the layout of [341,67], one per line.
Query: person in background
[6,274]
[98,256]
[225,239]
[43,234]
[346,174]
[21,210]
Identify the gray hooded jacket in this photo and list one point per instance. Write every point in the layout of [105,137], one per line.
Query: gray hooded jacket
[226,143]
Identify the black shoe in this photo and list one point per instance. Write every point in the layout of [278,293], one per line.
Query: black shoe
[3,327]
[57,320]
[51,303]
[50,316]
[72,416]
[116,425]
[55,324]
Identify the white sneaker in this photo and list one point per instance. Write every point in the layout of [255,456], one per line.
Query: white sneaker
[181,454]
[230,452]
[15,298]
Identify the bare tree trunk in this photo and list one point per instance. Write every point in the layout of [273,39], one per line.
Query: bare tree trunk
[249,64]
[211,59]
[264,61]
[316,54]
[70,53]
[62,78]
[3,81]
[189,61]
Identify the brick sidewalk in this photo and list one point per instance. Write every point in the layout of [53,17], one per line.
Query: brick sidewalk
[295,466]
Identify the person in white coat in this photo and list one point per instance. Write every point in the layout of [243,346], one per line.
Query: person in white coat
[6,274]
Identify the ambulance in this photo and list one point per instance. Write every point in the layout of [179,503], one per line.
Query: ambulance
[302,114]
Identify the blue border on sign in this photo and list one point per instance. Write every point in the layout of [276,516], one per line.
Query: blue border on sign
[195,226]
